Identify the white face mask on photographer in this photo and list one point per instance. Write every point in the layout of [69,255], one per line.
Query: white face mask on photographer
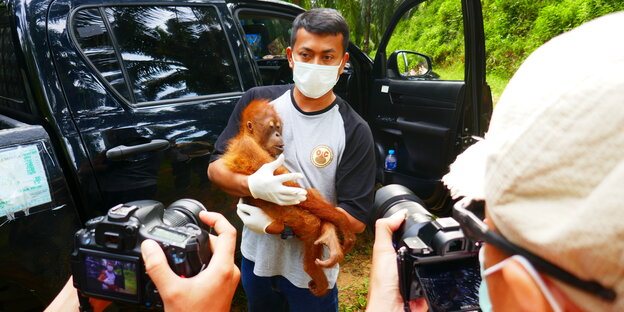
[484,296]
[315,80]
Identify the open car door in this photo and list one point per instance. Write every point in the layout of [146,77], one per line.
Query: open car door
[427,104]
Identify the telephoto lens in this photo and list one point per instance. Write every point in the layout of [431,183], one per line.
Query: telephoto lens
[393,198]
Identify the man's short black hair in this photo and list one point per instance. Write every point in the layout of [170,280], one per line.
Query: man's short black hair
[321,22]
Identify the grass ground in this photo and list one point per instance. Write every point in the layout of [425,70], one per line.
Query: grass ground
[497,84]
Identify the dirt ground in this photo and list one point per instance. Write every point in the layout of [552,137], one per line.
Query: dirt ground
[354,273]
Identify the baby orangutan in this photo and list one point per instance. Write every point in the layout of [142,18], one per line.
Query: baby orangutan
[314,221]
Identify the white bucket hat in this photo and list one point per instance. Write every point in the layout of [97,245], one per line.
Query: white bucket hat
[551,167]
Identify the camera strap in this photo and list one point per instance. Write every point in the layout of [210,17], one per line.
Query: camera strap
[404,283]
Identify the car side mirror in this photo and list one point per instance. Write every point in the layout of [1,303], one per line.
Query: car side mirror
[408,64]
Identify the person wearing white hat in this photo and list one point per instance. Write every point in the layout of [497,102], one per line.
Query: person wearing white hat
[550,172]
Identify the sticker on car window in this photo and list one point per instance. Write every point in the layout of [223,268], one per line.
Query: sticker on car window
[23,181]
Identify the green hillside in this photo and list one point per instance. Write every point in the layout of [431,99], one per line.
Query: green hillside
[513,29]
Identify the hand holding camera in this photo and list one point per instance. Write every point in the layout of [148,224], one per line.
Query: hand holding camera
[435,261]
[384,292]
[213,287]
[142,253]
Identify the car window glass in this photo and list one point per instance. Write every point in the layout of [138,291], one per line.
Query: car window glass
[423,35]
[95,42]
[173,52]
[268,37]
[160,53]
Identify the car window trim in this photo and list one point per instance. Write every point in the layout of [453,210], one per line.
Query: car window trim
[74,40]
[122,98]
[230,45]
[191,99]
[265,12]
[122,65]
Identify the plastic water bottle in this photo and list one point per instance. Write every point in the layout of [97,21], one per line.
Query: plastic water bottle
[391,161]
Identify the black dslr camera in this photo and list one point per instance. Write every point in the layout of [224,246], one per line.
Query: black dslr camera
[435,260]
[107,262]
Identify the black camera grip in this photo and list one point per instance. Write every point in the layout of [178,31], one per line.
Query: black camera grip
[404,283]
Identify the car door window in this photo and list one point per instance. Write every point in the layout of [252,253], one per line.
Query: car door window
[438,38]
[165,52]
[268,37]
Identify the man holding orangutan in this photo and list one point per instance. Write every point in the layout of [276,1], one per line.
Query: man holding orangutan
[327,146]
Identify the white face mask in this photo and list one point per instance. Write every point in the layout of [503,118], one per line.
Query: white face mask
[314,80]
[554,305]
[484,297]
[109,268]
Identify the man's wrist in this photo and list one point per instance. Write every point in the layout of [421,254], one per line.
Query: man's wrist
[356,225]
[244,185]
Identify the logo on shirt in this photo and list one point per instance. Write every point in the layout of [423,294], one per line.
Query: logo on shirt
[321,156]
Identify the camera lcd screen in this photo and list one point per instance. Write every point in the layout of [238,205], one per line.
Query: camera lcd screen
[167,234]
[451,285]
[110,276]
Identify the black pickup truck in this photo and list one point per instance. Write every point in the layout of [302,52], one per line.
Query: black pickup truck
[109,101]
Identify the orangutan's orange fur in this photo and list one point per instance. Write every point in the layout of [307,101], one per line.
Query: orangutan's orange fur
[311,220]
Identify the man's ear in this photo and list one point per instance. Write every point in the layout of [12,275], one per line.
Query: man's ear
[290,57]
[525,291]
[345,59]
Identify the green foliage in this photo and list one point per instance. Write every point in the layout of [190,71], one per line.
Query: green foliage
[513,29]
[366,18]
[434,28]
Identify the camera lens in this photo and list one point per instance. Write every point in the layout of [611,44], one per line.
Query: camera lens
[394,197]
[183,211]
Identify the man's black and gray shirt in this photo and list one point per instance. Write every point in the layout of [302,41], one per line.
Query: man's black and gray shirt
[333,148]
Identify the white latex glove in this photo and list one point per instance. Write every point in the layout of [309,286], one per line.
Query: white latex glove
[253,217]
[263,184]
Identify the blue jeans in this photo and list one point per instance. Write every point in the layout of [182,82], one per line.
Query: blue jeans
[277,294]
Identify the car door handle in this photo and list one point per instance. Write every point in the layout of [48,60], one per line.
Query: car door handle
[396,99]
[123,151]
